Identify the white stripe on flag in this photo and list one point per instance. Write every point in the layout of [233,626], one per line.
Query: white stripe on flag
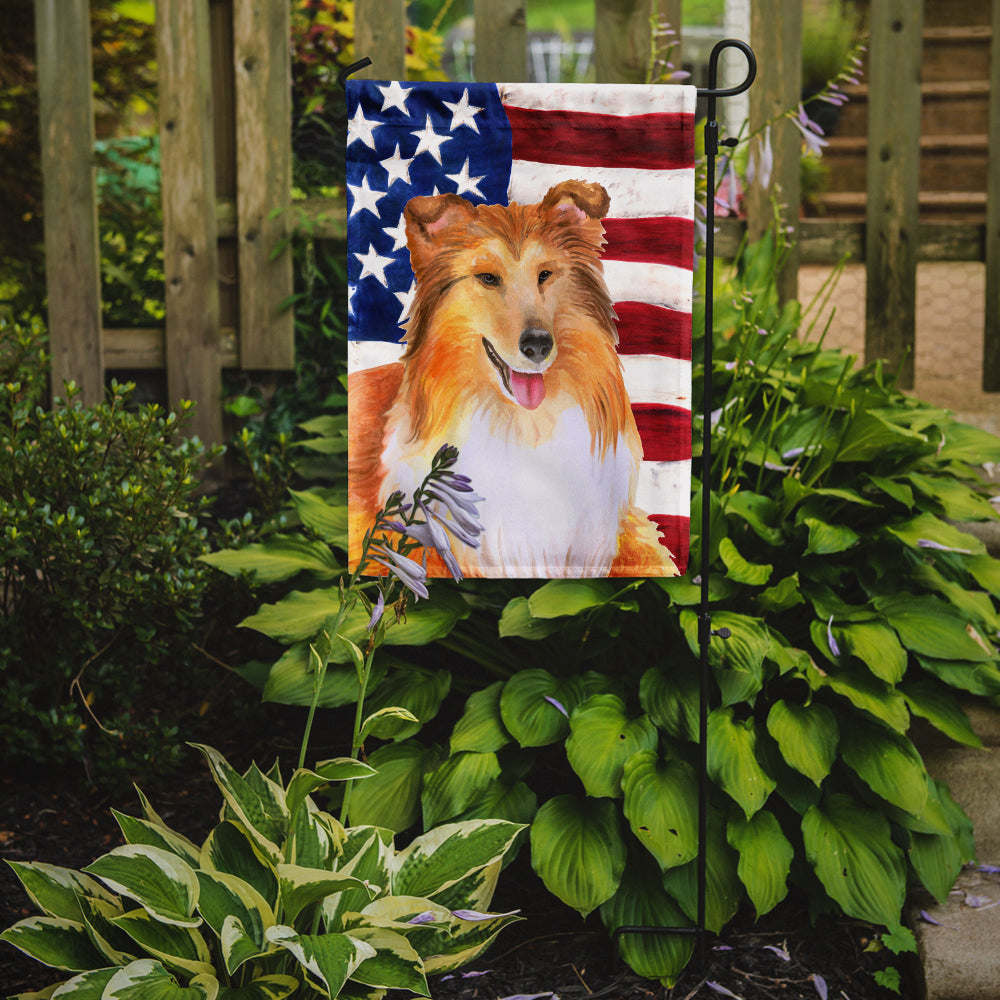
[653,379]
[634,193]
[365,354]
[600,99]
[665,488]
[656,284]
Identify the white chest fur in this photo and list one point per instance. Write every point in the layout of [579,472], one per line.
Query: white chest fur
[553,509]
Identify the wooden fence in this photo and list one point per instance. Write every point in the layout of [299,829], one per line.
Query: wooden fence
[226,161]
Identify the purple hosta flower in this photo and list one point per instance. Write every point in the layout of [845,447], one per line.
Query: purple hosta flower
[834,648]
[820,983]
[456,494]
[434,538]
[727,197]
[531,996]
[377,612]
[927,918]
[927,543]
[719,988]
[811,132]
[989,869]
[465,975]
[475,915]
[761,163]
[558,705]
[410,573]
[427,917]
[780,952]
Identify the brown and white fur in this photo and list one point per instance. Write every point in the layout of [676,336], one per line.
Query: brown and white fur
[511,358]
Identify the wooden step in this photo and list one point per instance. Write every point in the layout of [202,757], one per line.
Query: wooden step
[958,206]
[956,53]
[940,13]
[944,104]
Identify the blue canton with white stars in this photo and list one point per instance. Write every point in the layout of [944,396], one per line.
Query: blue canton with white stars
[407,139]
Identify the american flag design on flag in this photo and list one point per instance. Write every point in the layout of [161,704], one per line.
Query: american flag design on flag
[501,144]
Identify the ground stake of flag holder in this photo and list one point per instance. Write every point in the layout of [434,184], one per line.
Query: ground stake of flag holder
[705,630]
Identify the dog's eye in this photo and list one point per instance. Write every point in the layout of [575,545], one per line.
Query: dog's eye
[488,279]
[543,276]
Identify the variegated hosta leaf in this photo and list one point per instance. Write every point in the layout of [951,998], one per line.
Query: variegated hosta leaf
[732,760]
[578,851]
[395,964]
[147,979]
[642,902]
[116,946]
[225,897]
[456,784]
[141,831]
[54,941]
[466,941]
[661,799]
[481,727]
[274,987]
[535,706]
[807,736]
[329,959]
[888,763]
[315,838]
[367,853]
[417,690]
[300,887]
[765,858]
[441,857]
[56,891]
[256,801]
[177,947]
[86,986]
[602,737]
[238,945]
[230,849]
[476,890]
[850,847]
[304,782]
[158,880]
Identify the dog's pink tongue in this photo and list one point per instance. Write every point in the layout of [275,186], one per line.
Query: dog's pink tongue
[528,389]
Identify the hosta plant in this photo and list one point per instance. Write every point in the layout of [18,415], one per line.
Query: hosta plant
[279,900]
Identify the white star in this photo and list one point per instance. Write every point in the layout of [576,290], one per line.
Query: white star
[374,264]
[430,142]
[398,233]
[463,113]
[395,97]
[397,167]
[360,128]
[466,183]
[406,300]
[364,197]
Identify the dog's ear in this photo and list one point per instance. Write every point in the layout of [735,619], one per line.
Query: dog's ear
[428,217]
[577,201]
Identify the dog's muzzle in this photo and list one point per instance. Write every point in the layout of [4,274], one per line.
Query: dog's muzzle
[527,388]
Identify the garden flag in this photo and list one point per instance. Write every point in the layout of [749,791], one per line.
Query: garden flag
[519,287]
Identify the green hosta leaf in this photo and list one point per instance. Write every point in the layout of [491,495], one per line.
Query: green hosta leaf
[225,897]
[893,488]
[807,736]
[986,572]
[481,728]
[415,689]
[301,887]
[850,848]
[738,569]
[931,628]
[783,595]
[578,851]
[456,784]
[738,661]
[941,709]
[391,798]
[279,558]
[876,646]
[661,798]
[965,443]
[732,760]
[395,964]
[865,692]
[180,948]
[559,598]
[976,678]
[671,700]
[385,723]
[327,520]
[275,987]
[516,803]
[957,501]
[723,889]
[56,891]
[870,435]
[975,605]
[147,979]
[528,710]
[517,620]
[758,511]
[441,857]
[641,901]
[602,738]
[937,859]
[765,858]
[141,831]
[292,680]
[54,941]
[928,528]
[159,881]
[827,539]
[230,849]
[888,763]
[330,959]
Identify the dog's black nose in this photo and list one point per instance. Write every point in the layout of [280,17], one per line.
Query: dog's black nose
[535,344]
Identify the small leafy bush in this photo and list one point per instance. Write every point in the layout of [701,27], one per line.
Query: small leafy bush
[101,584]
[280,899]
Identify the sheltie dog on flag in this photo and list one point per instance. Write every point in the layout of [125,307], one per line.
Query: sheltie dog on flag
[510,356]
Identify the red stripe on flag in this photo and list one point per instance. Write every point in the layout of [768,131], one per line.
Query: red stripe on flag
[665,431]
[649,329]
[651,240]
[675,534]
[649,142]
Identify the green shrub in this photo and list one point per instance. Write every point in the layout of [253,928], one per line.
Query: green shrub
[99,540]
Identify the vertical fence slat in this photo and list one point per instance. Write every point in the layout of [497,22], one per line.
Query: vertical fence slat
[991,332]
[72,257]
[893,183]
[261,57]
[668,13]
[621,40]
[776,34]
[190,253]
[501,41]
[380,34]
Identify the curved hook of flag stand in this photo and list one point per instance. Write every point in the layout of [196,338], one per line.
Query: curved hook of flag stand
[705,631]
